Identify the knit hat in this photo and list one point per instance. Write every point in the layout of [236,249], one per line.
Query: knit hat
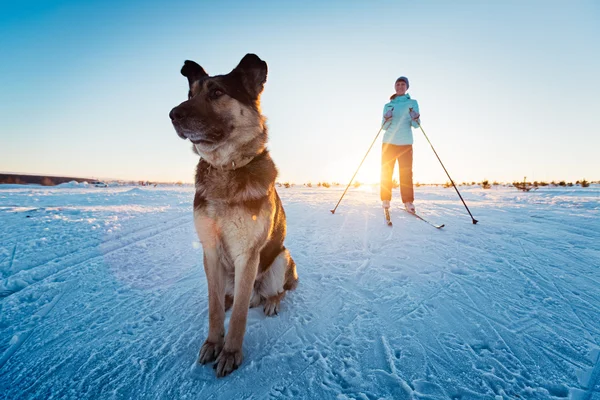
[405,79]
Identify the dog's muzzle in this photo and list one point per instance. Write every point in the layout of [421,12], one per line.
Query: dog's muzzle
[198,129]
[178,116]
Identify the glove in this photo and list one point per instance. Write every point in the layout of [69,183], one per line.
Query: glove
[414,115]
[388,115]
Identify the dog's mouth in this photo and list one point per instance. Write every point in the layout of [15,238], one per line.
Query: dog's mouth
[200,138]
[203,141]
[208,138]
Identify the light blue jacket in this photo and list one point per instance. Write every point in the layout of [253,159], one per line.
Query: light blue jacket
[398,131]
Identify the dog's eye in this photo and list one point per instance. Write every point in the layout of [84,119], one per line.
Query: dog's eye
[216,93]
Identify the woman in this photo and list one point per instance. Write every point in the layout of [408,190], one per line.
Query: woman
[399,114]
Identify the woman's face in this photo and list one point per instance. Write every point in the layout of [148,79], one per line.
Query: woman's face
[401,88]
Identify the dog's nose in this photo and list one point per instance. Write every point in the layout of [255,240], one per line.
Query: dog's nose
[177,113]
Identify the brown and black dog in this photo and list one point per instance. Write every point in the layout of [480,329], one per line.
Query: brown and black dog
[238,215]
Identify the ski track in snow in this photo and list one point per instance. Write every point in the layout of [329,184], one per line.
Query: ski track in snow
[103,295]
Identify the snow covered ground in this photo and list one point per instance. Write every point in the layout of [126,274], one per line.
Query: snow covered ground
[103,295]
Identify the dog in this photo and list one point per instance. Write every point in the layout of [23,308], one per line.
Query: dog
[238,214]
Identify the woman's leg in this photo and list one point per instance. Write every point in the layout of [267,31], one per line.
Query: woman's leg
[405,162]
[388,161]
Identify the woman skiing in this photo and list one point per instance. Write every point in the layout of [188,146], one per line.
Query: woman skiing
[399,114]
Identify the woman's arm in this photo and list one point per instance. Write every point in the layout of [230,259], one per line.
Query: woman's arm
[388,111]
[415,117]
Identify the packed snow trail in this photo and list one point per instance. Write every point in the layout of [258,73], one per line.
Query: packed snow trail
[103,295]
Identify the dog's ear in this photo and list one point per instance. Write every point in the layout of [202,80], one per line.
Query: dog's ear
[192,71]
[253,72]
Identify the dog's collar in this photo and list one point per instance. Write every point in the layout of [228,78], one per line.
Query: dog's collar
[235,164]
[242,162]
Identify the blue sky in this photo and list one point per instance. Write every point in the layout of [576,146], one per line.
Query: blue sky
[506,89]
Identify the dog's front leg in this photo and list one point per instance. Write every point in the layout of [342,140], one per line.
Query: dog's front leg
[215,277]
[245,274]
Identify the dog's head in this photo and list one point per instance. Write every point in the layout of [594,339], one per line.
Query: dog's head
[222,115]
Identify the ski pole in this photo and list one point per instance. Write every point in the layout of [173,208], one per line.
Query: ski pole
[438,157]
[361,163]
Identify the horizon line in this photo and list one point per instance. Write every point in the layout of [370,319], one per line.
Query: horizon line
[307,182]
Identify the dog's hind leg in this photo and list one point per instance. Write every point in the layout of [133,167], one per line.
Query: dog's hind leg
[228,302]
[272,304]
[280,277]
[255,300]
[229,291]
[291,275]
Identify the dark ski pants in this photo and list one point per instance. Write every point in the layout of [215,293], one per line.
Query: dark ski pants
[390,153]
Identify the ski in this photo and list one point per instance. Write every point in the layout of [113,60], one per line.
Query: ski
[424,220]
[386,214]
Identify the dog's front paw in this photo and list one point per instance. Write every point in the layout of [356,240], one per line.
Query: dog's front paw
[227,362]
[209,351]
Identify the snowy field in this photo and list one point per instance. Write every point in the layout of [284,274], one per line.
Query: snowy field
[103,295]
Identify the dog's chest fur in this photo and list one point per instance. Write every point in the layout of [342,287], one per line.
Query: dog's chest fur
[234,209]
[242,186]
